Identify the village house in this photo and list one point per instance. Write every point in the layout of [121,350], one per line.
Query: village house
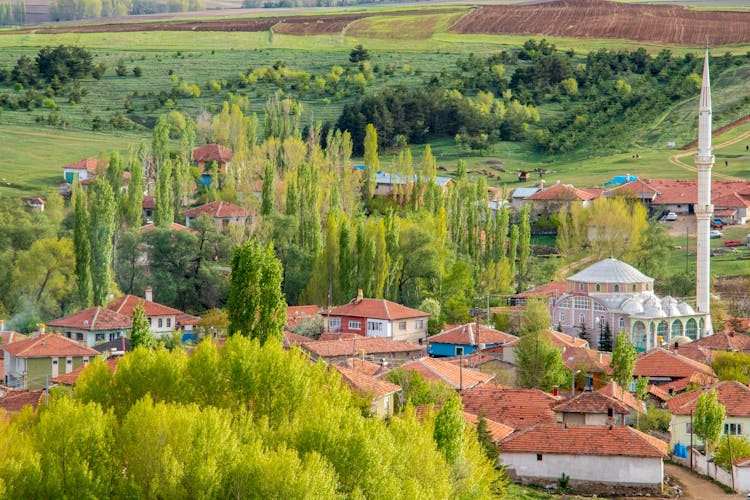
[461,340]
[69,380]
[550,200]
[704,349]
[29,364]
[297,315]
[591,367]
[82,170]
[204,156]
[148,207]
[733,395]
[381,393]
[12,401]
[561,340]
[518,198]
[613,390]
[163,319]
[375,349]
[93,325]
[615,294]
[378,318]
[35,203]
[672,370]
[590,408]
[516,408]
[222,213]
[457,377]
[608,460]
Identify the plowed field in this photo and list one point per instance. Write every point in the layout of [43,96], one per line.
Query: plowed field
[667,24]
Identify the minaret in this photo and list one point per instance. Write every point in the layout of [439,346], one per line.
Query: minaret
[704,210]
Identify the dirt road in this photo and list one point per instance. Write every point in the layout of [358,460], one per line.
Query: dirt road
[693,487]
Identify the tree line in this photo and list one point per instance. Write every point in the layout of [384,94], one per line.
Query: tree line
[69,10]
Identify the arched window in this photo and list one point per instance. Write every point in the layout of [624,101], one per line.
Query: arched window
[634,287]
[676,328]
[662,329]
[639,335]
[580,286]
[621,323]
[617,288]
[690,329]
[581,319]
[598,287]
[562,317]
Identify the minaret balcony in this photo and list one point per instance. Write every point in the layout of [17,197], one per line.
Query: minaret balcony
[704,210]
[704,159]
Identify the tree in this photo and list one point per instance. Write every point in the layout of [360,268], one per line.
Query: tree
[524,247]
[82,247]
[164,210]
[732,366]
[449,428]
[102,228]
[605,342]
[708,419]
[140,335]
[359,54]
[372,163]
[540,363]
[256,306]
[134,206]
[485,439]
[269,188]
[740,447]
[623,361]
[43,275]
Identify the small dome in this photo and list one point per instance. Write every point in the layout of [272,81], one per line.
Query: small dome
[611,271]
[669,305]
[632,306]
[681,339]
[685,309]
[653,309]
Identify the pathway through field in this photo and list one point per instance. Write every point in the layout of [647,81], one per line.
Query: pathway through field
[676,159]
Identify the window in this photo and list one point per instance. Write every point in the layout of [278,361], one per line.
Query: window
[580,286]
[402,325]
[598,287]
[355,325]
[633,288]
[169,322]
[581,319]
[99,337]
[54,362]
[562,317]
[149,321]
[69,361]
[617,288]
[334,323]
[538,457]
[374,326]
[420,323]
[621,323]
[598,307]
[689,427]
[733,429]
[581,302]
[610,412]
[459,351]
[161,322]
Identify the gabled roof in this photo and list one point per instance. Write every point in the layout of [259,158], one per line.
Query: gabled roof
[72,377]
[15,400]
[173,227]
[585,440]
[363,366]
[733,395]
[637,187]
[8,337]
[149,202]
[88,164]
[376,309]
[659,393]
[587,359]
[524,192]
[731,200]
[119,344]
[467,335]
[560,339]
[517,408]
[127,304]
[292,339]
[563,192]
[660,362]
[212,152]
[448,373]
[353,346]
[614,391]
[699,379]
[299,314]
[217,210]
[497,430]
[551,289]
[184,319]
[93,319]
[591,402]
[48,345]
[723,341]
[367,384]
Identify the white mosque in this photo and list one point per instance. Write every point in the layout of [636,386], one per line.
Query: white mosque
[614,293]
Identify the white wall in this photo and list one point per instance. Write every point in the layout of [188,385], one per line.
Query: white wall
[600,469]
[679,434]
[741,478]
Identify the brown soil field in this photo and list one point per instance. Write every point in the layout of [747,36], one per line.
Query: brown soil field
[667,24]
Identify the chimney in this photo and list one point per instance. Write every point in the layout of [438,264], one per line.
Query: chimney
[149,294]
[555,392]
[360,297]
[2,325]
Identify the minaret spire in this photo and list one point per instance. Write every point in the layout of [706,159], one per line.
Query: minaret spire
[704,161]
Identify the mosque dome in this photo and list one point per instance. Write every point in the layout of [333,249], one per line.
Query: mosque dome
[685,309]
[611,271]
[669,305]
[653,309]
[681,339]
[632,306]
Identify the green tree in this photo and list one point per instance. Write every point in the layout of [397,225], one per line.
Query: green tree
[372,162]
[449,428]
[164,211]
[102,228]
[140,335]
[605,343]
[359,54]
[43,275]
[160,135]
[524,247]
[485,439]
[708,419]
[740,448]
[540,363]
[256,306]
[732,366]
[269,188]
[134,205]
[429,164]
[82,247]
[623,361]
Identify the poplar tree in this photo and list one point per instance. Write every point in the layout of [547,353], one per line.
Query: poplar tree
[160,141]
[513,248]
[82,246]
[134,206]
[164,212]
[269,184]
[140,335]
[524,247]
[372,163]
[346,260]
[114,175]
[708,418]
[429,164]
[101,229]
[256,306]
[291,197]
[623,361]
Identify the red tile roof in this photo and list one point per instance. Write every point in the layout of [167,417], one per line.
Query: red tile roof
[614,391]
[93,319]
[148,202]
[497,430]
[88,164]
[126,305]
[723,341]
[8,337]
[448,373]
[367,384]
[174,227]
[72,377]
[376,309]
[48,345]
[660,362]
[562,340]
[365,367]
[551,289]
[563,192]
[659,393]
[298,314]
[184,319]
[591,402]
[733,395]
[517,408]
[681,192]
[212,152]
[15,400]
[217,210]
[292,339]
[467,335]
[352,347]
[731,200]
[585,440]
[587,359]
[697,378]
[637,187]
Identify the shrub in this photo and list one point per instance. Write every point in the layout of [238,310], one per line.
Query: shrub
[137,71]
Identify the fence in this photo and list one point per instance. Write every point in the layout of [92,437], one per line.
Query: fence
[703,466]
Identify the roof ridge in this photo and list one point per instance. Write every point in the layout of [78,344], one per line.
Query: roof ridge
[433,370]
